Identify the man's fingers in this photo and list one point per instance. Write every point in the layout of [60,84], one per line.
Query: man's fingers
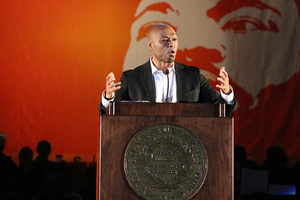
[110,80]
[116,88]
[116,84]
[110,77]
[223,75]
[223,80]
[113,87]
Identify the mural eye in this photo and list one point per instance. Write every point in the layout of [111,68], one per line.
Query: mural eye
[245,24]
[143,31]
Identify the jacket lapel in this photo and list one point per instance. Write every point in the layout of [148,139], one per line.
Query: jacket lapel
[147,81]
[181,80]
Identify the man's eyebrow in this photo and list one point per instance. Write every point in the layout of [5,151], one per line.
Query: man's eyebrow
[160,7]
[225,7]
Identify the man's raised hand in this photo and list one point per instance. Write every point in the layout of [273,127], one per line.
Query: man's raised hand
[111,86]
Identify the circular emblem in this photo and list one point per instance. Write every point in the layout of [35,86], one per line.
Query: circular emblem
[165,161]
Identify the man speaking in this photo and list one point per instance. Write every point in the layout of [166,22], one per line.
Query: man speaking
[162,79]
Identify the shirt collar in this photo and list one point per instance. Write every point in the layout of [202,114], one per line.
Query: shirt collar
[154,69]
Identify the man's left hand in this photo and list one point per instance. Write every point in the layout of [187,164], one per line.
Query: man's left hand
[223,81]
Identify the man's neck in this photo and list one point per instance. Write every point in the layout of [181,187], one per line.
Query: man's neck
[161,65]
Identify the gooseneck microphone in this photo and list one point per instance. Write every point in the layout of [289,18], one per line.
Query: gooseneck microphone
[167,72]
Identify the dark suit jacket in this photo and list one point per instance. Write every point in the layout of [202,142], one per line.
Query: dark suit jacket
[192,87]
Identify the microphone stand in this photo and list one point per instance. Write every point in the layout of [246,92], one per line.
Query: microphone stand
[167,72]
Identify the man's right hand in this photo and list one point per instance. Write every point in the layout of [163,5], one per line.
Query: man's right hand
[111,86]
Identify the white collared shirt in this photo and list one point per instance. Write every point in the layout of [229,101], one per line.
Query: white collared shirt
[161,84]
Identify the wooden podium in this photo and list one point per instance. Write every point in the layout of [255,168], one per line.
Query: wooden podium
[125,119]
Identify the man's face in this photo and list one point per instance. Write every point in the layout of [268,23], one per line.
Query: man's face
[163,43]
[247,37]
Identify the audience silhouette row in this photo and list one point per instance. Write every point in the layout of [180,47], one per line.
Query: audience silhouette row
[42,179]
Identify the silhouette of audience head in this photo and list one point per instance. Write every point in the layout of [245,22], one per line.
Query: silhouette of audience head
[276,157]
[72,196]
[240,155]
[43,149]
[2,141]
[25,156]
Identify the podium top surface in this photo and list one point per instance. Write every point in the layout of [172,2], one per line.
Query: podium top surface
[166,109]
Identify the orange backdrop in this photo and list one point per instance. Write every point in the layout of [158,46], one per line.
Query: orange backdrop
[54,58]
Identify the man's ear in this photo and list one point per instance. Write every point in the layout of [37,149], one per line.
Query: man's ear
[150,45]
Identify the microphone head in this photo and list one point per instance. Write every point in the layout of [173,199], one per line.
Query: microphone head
[167,71]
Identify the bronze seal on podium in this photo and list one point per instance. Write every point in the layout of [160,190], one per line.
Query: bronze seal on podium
[165,161]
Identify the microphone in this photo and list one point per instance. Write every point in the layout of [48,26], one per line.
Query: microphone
[167,72]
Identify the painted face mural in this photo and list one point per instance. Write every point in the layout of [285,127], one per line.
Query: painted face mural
[255,40]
